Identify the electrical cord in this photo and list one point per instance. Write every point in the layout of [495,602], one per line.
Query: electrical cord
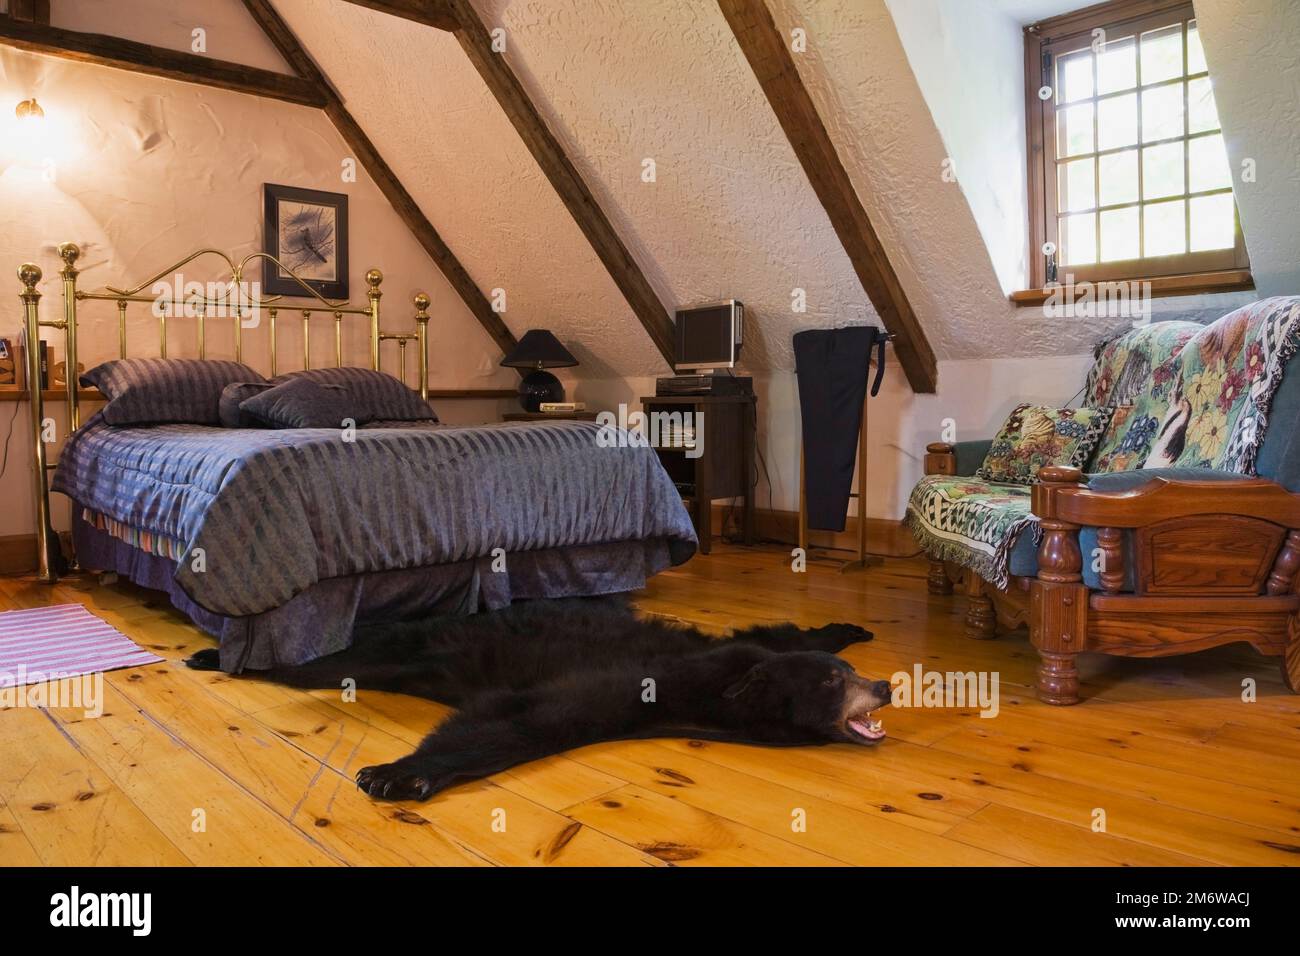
[4,463]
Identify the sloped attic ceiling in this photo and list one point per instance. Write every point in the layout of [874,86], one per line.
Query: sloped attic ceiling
[730,211]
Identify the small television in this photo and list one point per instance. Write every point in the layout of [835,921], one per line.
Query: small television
[710,336]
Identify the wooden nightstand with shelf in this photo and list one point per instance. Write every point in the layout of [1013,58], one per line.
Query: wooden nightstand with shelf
[724,465]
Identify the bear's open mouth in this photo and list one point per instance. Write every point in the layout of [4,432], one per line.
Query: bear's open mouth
[865,726]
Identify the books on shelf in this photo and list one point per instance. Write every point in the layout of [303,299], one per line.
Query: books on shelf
[563,407]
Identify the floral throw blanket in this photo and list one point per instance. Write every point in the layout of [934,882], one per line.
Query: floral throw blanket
[970,522]
[1231,370]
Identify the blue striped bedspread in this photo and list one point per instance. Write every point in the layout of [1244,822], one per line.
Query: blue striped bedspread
[265,514]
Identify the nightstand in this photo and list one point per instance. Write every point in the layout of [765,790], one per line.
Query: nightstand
[549,416]
[724,469]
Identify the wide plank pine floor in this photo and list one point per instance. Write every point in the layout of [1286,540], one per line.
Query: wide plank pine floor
[207,769]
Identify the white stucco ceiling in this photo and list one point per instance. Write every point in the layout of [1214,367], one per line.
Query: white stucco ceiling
[730,212]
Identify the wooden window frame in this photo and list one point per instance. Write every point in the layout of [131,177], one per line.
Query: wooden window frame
[1225,268]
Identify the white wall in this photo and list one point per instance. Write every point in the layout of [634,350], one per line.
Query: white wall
[147,170]
[968,59]
[976,394]
[1253,50]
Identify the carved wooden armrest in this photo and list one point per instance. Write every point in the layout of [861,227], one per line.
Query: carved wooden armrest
[1189,537]
[940,458]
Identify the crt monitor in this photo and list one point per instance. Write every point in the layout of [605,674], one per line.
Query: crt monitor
[710,336]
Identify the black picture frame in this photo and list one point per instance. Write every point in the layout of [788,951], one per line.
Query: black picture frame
[321,257]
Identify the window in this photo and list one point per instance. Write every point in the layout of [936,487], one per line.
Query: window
[1129,175]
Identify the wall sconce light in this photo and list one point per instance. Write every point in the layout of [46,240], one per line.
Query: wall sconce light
[29,111]
[32,137]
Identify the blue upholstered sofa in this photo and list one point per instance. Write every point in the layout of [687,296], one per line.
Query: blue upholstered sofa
[1180,532]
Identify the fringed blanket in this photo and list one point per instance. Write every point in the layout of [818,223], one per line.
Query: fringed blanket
[971,523]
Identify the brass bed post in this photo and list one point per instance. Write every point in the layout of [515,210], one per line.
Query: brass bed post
[69,252]
[271,314]
[121,328]
[373,278]
[30,274]
[422,340]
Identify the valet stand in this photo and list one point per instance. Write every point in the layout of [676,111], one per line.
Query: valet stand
[863,559]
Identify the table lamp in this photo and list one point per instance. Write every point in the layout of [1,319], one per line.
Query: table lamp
[539,350]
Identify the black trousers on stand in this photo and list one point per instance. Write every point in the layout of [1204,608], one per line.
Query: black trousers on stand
[832,366]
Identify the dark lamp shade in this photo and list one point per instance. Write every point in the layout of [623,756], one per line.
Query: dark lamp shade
[539,349]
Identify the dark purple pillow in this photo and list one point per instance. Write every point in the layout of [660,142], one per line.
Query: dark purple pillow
[300,403]
[375,396]
[232,395]
[150,391]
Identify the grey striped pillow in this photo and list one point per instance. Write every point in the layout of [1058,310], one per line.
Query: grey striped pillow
[372,395]
[231,396]
[150,391]
[300,403]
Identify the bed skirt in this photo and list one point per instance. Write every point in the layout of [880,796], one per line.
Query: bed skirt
[320,620]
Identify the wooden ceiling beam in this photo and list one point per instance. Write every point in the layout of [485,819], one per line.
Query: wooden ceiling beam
[773,65]
[433,13]
[136,57]
[403,204]
[475,40]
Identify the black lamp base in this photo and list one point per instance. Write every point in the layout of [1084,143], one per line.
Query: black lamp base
[539,386]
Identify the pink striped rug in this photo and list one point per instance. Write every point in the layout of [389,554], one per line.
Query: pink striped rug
[64,641]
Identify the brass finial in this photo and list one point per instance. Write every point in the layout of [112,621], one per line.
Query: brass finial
[421,305]
[29,273]
[69,252]
[373,278]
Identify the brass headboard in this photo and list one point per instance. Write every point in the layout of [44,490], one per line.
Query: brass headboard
[232,299]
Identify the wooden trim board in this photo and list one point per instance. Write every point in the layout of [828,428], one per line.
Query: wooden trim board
[884,537]
[18,552]
[1232,280]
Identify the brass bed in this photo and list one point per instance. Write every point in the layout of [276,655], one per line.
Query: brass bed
[202,308]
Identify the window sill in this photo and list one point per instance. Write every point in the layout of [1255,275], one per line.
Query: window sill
[1230,280]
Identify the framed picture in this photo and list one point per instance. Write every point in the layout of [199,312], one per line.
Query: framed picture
[307,231]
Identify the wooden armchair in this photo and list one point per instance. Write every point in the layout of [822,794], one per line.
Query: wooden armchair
[1206,563]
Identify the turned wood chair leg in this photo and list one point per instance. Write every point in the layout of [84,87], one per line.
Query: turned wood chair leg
[1058,599]
[981,619]
[938,581]
[1058,679]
